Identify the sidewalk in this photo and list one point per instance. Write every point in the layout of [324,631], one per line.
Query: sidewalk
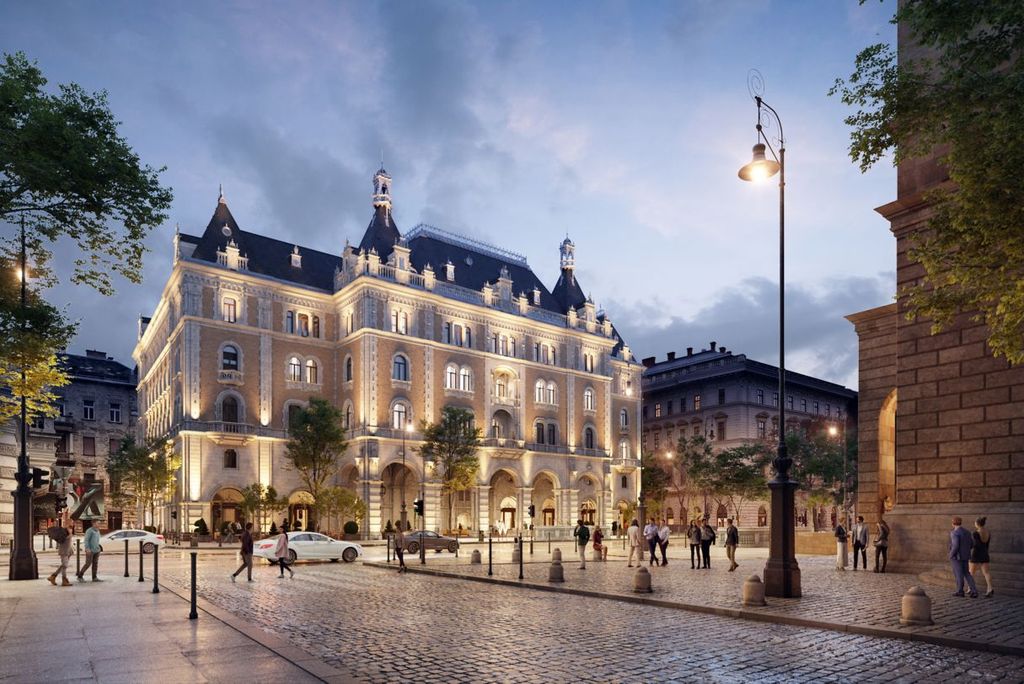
[860,602]
[119,631]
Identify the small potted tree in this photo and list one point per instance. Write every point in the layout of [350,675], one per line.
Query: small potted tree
[351,530]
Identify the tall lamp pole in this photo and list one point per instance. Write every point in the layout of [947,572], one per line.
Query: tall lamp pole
[407,428]
[781,572]
[24,564]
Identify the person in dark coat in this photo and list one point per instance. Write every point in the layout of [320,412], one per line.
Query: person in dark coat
[960,543]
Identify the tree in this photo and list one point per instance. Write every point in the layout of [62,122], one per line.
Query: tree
[316,441]
[654,482]
[452,444]
[690,465]
[258,501]
[142,473]
[739,473]
[961,96]
[340,502]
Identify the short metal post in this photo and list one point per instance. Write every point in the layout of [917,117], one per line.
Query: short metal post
[141,578]
[193,614]
[388,538]
[531,542]
[423,551]
[126,558]
[156,568]
[490,549]
[520,556]
[78,556]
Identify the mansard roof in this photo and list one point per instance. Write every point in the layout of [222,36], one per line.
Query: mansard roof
[381,234]
[96,366]
[568,292]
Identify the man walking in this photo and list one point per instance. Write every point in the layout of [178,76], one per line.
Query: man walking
[246,553]
[960,543]
[582,535]
[663,534]
[651,535]
[732,540]
[92,551]
[707,538]
[400,548]
[860,543]
[633,538]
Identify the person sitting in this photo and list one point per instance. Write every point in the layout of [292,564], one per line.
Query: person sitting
[599,545]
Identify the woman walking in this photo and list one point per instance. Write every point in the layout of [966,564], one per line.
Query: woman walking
[281,552]
[979,553]
[882,545]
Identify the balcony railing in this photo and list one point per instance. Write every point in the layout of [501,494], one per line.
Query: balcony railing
[625,462]
[505,400]
[502,443]
[229,377]
[227,427]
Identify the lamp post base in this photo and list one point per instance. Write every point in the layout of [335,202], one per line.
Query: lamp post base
[781,572]
[24,564]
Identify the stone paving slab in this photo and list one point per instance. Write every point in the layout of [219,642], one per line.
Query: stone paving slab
[857,602]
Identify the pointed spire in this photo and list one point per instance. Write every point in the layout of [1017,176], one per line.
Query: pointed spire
[220,194]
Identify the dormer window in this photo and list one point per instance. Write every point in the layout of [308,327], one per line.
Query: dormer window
[296,258]
[449,271]
[536,296]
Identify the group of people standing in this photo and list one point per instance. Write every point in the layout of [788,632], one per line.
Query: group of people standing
[700,535]
[860,534]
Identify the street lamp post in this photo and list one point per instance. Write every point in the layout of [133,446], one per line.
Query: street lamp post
[834,431]
[407,428]
[781,572]
[24,564]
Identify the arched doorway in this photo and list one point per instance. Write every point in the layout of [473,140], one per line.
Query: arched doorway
[398,483]
[887,452]
[502,425]
[588,512]
[721,514]
[504,502]
[762,516]
[226,505]
[300,510]
[544,500]
[624,521]
[589,493]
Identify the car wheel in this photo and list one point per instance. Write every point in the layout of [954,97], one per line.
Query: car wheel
[414,547]
[349,554]
[453,546]
[148,547]
[292,557]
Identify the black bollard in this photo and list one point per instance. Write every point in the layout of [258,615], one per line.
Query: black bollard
[490,548]
[193,614]
[156,569]
[520,556]
[78,556]
[423,552]
[531,543]
[389,548]
[126,558]
[549,542]
[141,578]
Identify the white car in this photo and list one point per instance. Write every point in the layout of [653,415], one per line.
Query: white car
[115,540]
[309,546]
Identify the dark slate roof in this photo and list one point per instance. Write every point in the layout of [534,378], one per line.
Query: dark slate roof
[484,268]
[381,234]
[91,368]
[267,256]
[568,292]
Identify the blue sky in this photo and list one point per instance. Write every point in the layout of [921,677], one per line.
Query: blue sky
[620,123]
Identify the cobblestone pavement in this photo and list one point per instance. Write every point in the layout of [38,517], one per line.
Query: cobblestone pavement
[865,599]
[379,626]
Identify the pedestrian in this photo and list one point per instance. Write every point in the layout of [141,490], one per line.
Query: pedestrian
[960,543]
[582,534]
[400,548]
[881,544]
[651,535]
[664,532]
[599,545]
[62,535]
[633,537]
[281,553]
[860,543]
[92,551]
[842,550]
[979,553]
[732,540]
[694,534]
[246,553]
[284,525]
[615,528]
[707,538]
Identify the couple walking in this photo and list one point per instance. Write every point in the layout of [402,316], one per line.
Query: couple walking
[968,554]
[61,533]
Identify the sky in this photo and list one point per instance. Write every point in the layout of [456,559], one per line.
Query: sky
[621,124]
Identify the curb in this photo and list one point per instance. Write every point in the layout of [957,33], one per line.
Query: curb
[740,613]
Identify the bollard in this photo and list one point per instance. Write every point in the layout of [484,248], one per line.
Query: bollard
[753,591]
[549,541]
[520,557]
[78,556]
[156,569]
[475,558]
[193,614]
[423,552]
[126,558]
[916,608]
[556,555]
[642,581]
[595,556]
[555,572]
[389,548]
[531,543]
[515,551]
[490,544]
[141,578]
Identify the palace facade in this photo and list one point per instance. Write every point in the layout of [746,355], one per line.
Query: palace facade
[391,331]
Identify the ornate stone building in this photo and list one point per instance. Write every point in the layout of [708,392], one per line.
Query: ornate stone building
[391,331]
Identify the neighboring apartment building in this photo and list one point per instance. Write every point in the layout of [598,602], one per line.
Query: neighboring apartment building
[391,331]
[732,400]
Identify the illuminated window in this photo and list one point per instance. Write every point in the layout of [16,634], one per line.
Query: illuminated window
[312,372]
[229,309]
[400,369]
[294,369]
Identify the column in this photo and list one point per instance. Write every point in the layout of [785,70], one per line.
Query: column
[484,522]
[374,523]
[525,498]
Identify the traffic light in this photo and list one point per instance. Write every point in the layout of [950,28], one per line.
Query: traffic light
[533,510]
[417,506]
[40,478]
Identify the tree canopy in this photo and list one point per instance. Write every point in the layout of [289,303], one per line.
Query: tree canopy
[258,501]
[142,472]
[451,444]
[316,440]
[961,96]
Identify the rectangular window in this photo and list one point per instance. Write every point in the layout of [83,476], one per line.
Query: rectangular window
[115,445]
[349,324]
[230,309]
[721,396]
[789,402]
[469,338]
[775,399]
[289,322]
[657,410]
[446,334]
[803,405]
[115,412]
[696,402]
[760,396]
[38,423]
[668,408]
[828,410]
[643,411]
[762,429]
[657,440]
[89,409]
[89,447]
[721,430]
[62,409]
[815,408]
[682,404]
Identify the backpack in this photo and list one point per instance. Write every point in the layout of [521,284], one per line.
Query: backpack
[57,534]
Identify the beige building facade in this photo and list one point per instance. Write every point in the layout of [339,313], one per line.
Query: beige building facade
[391,331]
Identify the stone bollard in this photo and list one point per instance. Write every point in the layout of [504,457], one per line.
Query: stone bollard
[516,554]
[556,555]
[916,608]
[475,558]
[555,572]
[595,556]
[753,591]
[642,581]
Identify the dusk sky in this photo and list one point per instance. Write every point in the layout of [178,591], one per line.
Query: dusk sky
[622,124]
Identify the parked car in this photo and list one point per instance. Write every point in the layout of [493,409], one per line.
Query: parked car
[430,540]
[309,546]
[115,540]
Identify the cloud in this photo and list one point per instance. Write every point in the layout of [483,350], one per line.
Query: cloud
[744,318]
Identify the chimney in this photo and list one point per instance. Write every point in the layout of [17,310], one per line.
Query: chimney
[95,354]
[722,349]
[671,356]
[689,351]
[648,362]
[713,345]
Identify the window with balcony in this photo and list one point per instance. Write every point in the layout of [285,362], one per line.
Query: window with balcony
[294,369]
[229,307]
[229,410]
[624,450]
[400,368]
[115,412]
[229,358]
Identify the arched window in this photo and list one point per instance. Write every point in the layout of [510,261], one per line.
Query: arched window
[316,326]
[294,369]
[451,376]
[624,418]
[465,379]
[539,433]
[346,416]
[229,358]
[312,372]
[588,438]
[229,307]
[399,415]
[625,482]
[552,433]
[400,368]
[294,411]
[552,393]
[229,410]
[304,325]
[539,394]
[348,369]
[501,386]
[624,450]
[230,458]
[588,399]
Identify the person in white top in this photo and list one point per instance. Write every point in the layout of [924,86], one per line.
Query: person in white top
[663,534]
[633,536]
[281,552]
[651,535]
